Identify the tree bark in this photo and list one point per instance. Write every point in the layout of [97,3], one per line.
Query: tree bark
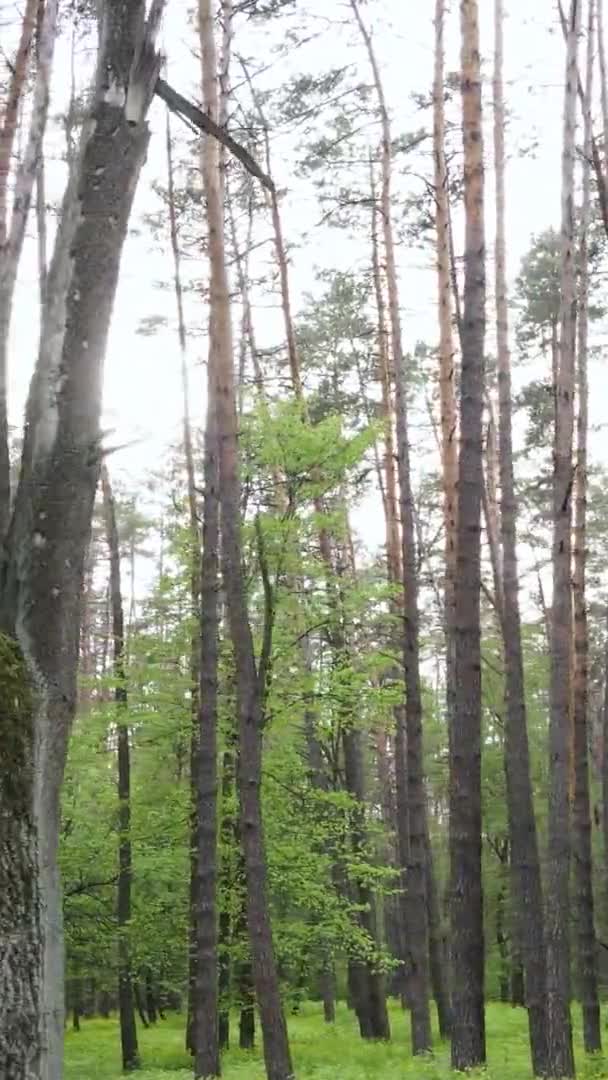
[128,1030]
[249,692]
[47,539]
[466,902]
[229,835]
[12,235]
[195,580]
[20,988]
[206,1006]
[559,1029]
[525,863]
[581,811]
[447,351]
[411,798]
[16,87]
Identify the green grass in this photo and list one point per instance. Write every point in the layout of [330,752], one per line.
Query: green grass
[320,1052]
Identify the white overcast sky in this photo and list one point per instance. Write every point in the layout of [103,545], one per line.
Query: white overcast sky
[142,395]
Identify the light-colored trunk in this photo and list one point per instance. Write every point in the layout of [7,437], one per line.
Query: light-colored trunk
[601,43]
[582,878]
[195,563]
[9,121]
[49,531]
[559,1029]
[11,245]
[276,1046]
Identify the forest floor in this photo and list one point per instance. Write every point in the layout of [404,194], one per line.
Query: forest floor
[320,1052]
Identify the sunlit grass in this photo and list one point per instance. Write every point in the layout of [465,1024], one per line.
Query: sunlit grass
[320,1052]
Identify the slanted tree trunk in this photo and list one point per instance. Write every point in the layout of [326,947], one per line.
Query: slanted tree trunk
[411,799]
[249,692]
[128,1030]
[559,1029]
[466,901]
[528,924]
[45,548]
[581,811]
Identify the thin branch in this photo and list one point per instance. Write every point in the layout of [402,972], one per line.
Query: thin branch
[187,111]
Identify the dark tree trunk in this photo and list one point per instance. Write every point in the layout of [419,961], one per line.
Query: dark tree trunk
[206,1010]
[247,1016]
[466,908]
[438,952]
[151,1007]
[76,996]
[559,1027]
[517,980]
[367,983]
[525,863]
[502,939]
[139,1004]
[128,1030]
[230,842]
[19,911]
[327,991]
[104,1004]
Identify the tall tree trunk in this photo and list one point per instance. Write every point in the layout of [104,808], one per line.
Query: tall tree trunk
[559,1029]
[47,539]
[10,117]
[229,834]
[393,556]
[195,577]
[525,863]
[128,1030]
[20,989]
[12,235]
[581,811]
[447,352]
[276,1046]
[370,994]
[206,1017]
[466,902]
[601,42]
[502,939]
[411,798]
[368,983]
